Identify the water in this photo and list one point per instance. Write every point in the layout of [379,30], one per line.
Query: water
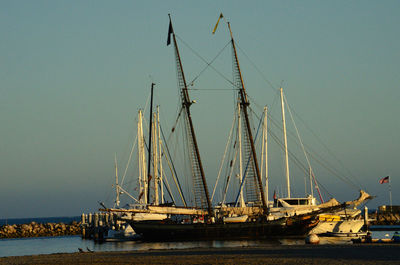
[39,220]
[70,244]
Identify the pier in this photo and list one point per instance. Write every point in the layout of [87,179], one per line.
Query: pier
[96,225]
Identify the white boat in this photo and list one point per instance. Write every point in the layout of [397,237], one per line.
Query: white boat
[126,233]
[236,219]
[332,228]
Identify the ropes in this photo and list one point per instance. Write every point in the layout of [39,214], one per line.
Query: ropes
[223,157]
[207,63]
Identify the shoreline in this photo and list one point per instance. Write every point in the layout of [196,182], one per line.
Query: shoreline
[280,254]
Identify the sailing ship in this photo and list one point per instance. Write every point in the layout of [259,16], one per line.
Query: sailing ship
[224,222]
[255,218]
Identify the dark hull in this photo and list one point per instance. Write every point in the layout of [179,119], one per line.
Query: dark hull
[168,231]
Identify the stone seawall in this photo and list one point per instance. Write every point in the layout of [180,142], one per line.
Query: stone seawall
[36,230]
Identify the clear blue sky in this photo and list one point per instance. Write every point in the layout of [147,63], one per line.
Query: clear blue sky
[74,73]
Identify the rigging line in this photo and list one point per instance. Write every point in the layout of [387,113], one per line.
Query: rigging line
[260,107]
[314,155]
[291,155]
[133,146]
[297,132]
[175,124]
[329,151]
[304,151]
[232,167]
[358,185]
[324,188]
[205,61]
[216,89]
[257,69]
[165,180]
[129,160]
[344,179]
[228,165]
[247,164]
[295,159]
[174,174]
[319,161]
[184,158]
[223,157]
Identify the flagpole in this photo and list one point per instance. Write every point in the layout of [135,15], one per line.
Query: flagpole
[390,194]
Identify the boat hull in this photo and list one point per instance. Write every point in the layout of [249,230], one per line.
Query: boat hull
[170,231]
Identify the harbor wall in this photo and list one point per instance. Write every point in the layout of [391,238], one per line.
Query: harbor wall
[34,229]
[386,215]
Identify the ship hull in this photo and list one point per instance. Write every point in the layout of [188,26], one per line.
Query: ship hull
[170,231]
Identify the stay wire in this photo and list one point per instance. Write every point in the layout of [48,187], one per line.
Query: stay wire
[208,64]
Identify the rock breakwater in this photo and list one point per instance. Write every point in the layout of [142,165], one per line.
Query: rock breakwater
[34,229]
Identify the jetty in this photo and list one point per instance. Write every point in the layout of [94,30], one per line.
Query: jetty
[34,229]
[96,225]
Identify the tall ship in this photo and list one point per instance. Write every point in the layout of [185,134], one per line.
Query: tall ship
[244,220]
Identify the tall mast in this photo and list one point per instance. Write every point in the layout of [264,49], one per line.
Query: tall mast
[186,103]
[311,185]
[155,159]
[285,145]
[142,162]
[265,134]
[149,156]
[245,103]
[242,203]
[160,177]
[116,182]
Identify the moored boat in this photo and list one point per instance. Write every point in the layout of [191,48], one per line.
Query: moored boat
[169,230]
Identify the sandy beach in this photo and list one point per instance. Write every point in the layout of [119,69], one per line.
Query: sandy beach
[305,254]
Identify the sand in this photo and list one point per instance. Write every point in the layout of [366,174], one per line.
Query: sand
[305,254]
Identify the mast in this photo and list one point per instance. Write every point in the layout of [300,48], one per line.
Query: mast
[160,177]
[155,159]
[285,145]
[242,203]
[245,103]
[265,144]
[186,103]
[142,161]
[116,182]
[149,155]
[311,186]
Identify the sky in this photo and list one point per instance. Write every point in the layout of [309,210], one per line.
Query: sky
[75,73]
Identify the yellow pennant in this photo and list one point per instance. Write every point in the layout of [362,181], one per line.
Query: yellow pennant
[216,25]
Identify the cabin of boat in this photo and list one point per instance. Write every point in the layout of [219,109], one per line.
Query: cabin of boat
[293,202]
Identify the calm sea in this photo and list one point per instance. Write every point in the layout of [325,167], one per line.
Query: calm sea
[65,220]
[71,244]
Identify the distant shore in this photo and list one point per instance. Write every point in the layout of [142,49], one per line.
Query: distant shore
[304,254]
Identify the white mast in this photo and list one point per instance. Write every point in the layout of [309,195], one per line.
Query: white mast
[160,155]
[116,182]
[142,162]
[155,159]
[265,147]
[311,185]
[285,144]
[242,203]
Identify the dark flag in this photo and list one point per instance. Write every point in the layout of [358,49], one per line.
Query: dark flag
[170,31]
[384,180]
